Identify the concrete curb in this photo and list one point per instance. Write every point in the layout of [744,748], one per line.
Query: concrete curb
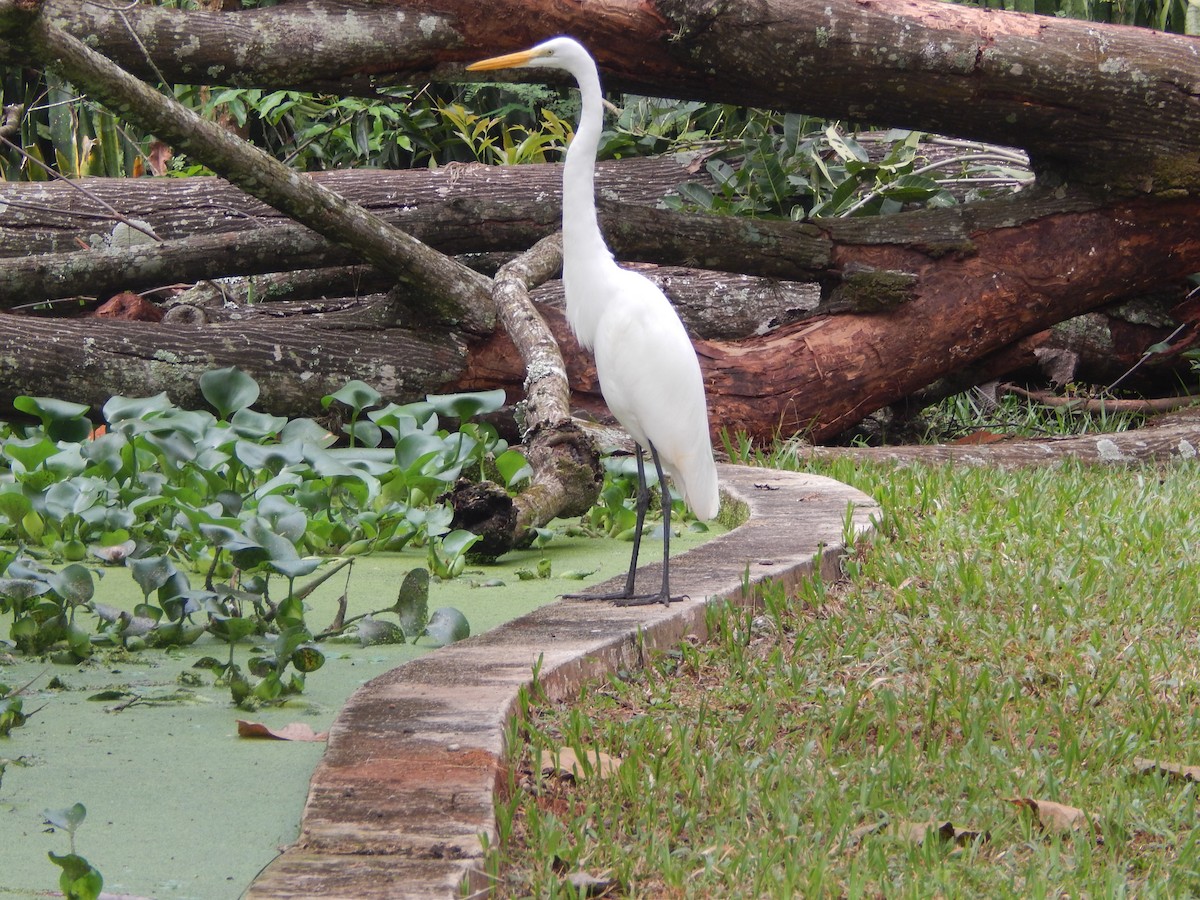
[405,789]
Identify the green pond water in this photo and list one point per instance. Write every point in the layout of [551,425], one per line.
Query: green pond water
[178,806]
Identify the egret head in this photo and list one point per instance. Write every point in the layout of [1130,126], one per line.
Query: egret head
[556,53]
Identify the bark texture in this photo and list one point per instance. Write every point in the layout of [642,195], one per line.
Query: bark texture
[1110,117]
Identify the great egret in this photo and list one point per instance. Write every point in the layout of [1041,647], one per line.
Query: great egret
[646,364]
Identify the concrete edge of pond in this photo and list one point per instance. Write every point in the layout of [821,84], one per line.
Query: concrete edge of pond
[406,787]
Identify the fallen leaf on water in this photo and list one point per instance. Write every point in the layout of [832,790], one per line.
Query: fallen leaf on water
[1171,770]
[1057,818]
[566,763]
[296,731]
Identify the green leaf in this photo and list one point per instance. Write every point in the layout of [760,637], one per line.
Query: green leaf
[307,658]
[151,572]
[67,819]
[412,603]
[513,467]
[228,390]
[231,628]
[30,452]
[458,542]
[467,406]
[14,505]
[448,625]
[62,420]
[256,426]
[372,631]
[79,880]
[121,409]
[356,394]
[74,584]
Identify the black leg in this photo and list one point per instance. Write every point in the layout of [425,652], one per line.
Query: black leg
[641,505]
[664,595]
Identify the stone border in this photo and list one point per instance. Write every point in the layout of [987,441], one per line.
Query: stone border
[405,789]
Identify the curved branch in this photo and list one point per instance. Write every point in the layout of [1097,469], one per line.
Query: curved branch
[567,475]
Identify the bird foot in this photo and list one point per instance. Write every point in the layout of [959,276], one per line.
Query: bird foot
[620,598]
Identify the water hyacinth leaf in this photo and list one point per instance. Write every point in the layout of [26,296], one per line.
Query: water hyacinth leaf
[67,462]
[513,467]
[284,517]
[194,424]
[105,453]
[79,880]
[74,584]
[289,639]
[269,688]
[296,568]
[78,641]
[415,450]
[306,431]
[290,613]
[19,590]
[113,554]
[447,625]
[356,394]
[458,542]
[364,433]
[61,419]
[231,503]
[372,631]
[412,603]
[307,658]
[30,452]
[61,499]
[231,628]
[467,406]
[228,390]
[67,819]
[173,448]
[14,505]
[124,409]
[256,426]
[246,553]
[268,456]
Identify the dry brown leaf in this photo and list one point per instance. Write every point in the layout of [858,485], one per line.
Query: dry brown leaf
[586,885]
[916,832]
[565,763]
[295,731]
[1054,817]
[855,837]
[1176,771]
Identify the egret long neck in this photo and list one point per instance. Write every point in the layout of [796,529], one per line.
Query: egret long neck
[585,255]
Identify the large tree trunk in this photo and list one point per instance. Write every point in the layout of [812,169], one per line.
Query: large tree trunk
[1109,117]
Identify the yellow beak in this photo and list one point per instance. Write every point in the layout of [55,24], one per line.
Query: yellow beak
[508,61]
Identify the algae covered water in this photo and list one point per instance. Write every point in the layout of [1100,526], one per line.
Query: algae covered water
[178,806]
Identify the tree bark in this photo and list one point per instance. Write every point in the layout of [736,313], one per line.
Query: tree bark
[444,289]
[295,363]
[1174,437]
[905,299]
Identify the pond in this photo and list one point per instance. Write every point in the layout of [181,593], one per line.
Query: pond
[178,806]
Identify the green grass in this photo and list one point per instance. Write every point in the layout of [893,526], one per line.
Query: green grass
[1009,634]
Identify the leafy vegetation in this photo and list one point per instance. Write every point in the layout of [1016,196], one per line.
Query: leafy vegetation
[997,700]
[80,880]
[217,518]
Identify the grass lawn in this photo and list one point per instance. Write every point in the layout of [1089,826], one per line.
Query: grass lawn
[1010,641]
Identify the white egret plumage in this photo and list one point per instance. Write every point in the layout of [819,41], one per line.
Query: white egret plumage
[647,367]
